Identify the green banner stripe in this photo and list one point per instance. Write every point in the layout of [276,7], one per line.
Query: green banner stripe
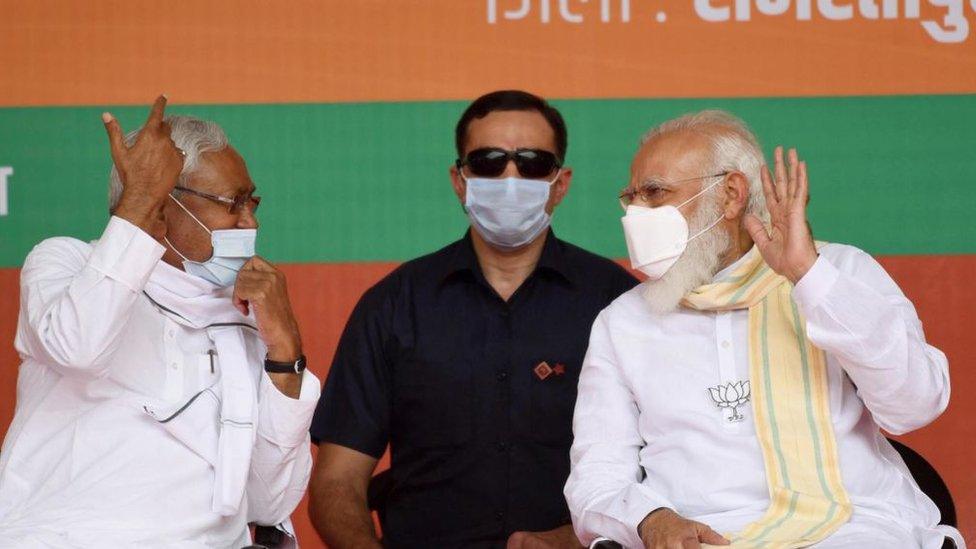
[368,182]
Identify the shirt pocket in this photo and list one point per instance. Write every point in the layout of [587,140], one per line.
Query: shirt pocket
[553,399]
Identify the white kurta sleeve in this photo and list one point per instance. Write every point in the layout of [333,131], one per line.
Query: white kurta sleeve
[281,461]
[857,314]
[75,299]
[604,492]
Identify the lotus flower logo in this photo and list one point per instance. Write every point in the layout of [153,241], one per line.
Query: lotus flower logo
[731,395]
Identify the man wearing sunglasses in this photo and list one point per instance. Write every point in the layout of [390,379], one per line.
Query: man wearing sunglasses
[162,399]
[465,361]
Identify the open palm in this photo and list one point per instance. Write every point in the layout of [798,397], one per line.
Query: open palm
[787,245]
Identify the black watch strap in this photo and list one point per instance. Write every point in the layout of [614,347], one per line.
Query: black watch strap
[296,367]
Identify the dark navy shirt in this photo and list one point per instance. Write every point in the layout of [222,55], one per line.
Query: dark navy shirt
[473,394]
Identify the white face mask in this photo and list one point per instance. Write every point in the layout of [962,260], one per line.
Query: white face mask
[231,250]
[656,237]
[508,213]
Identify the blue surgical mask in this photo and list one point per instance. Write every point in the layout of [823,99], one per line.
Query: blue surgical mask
[231,250]
[508,213]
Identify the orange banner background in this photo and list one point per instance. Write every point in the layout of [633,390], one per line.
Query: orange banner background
[59,52]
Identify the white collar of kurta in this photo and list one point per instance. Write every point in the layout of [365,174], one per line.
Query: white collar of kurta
[197,303]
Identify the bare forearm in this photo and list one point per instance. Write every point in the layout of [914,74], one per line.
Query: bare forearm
[290,385]
[341,516]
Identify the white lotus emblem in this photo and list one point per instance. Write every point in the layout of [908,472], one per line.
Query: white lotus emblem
[731,395]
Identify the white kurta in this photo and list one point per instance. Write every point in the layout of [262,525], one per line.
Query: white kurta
[83,463]
[644,408]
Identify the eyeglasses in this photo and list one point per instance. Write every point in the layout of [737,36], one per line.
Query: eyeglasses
[647,191]
[491,162]
[234,204]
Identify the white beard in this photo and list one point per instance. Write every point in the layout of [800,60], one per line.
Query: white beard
[696,266]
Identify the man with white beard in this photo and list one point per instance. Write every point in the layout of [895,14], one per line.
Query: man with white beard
[741,388]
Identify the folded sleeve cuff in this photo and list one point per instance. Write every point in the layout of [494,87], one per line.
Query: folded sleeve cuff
[625,512]
[284,420]
[811,290]
[125,253]
[638,504]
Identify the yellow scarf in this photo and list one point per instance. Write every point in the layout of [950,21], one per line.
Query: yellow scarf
[788,376]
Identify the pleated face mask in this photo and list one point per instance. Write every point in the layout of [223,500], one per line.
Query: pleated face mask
[231,250]
[508,213]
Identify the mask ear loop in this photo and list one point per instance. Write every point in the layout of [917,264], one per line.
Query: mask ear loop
[180,204]
[701,192]
[706,229]
[193,217]
[172,247]
[559,172]
[716,222]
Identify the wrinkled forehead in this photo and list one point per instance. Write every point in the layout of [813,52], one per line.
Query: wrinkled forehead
[221,172]
[671,157]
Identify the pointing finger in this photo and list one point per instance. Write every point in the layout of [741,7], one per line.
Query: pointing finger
[156,113]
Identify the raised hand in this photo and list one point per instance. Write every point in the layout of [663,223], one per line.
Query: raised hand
[665,529]
[149,169]
[787,247]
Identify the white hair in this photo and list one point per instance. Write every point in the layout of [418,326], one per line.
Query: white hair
[193,135]
[733,148]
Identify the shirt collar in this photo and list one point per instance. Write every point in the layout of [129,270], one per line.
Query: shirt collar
[552,260]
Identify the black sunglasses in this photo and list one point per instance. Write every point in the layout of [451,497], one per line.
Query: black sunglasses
[491,162]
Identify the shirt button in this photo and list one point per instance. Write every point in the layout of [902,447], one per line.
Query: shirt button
[502,376]
[173,365]
[502,446]
[725,344]
[499,515]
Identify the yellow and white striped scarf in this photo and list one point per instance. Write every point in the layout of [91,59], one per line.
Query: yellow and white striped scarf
[788,376]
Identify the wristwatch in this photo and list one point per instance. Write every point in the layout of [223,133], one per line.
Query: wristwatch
[296,367]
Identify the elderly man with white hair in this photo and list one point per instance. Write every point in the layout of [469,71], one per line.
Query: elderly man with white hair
[162,399]
[736,395]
